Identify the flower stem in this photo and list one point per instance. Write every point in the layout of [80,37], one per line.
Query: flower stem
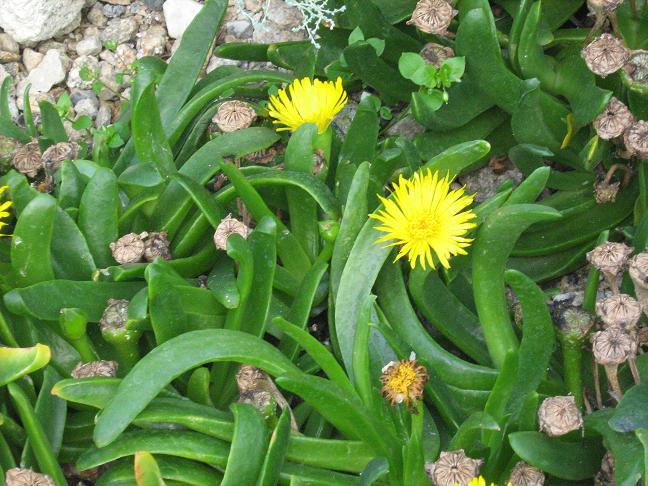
[572,350]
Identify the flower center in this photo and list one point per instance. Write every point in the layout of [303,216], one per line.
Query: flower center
[402,379]
[423,228]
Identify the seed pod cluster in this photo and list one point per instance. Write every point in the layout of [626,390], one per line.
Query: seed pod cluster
[133,247]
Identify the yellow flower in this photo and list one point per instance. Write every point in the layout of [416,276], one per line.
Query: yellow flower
[425,216]
[309,102]
[480,481]
[3,209]
[403,381]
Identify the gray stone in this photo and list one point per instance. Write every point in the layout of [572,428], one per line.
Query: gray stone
[74,78]
[87,106]
[283,15]
[31,59]
[270,33]
[108,76]
[154,4]
[52,44]
[120,30]
[153,42]
[31,21]
[112,11]
[89,46]
[408,127]
[7,44]
[484,182]
[240,29]
[78,95]
[96,16]
[178,15]
[118,2]
[48,73]
[104,115]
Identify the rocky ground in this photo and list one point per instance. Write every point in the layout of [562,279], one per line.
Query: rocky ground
[60,46]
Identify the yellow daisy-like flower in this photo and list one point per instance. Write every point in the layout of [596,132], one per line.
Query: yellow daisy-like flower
[309,102]
[403,381]
[426,217]
[480,481]
[3,209]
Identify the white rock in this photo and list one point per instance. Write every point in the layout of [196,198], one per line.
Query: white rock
[240,29]
[104,115]
[31,21]
[153,42]
[50,71]
[31,59]
[178,15]
[87,106]
[7,44]
[74,78]
[118,2]
[89,46]
[120,30]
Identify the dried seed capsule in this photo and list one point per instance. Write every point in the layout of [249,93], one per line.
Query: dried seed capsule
[263,401]
[54,156]
[606,192]
[615,119]
[596,6]
[234,115]
[403,381]
[576,323]
[453,468]
[157,245]
[227,227]
[637,67]
[619,311]
[435,54]
[610,259]
[249,378]
[432,16]
[612,347]
[26,477]
[129,248]
[27,159]
[606,55]
[115,315]
[636,139]
[559,415]
[525,475]
[638,271]
[95,368]
[605,477]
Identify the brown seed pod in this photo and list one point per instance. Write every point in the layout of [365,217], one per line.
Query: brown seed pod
[605,477]
[95,368]
[576,323]
[54,156]
[26,477]
[638,271]
[606,55]
[263,401]
[636,139]
[27,159]
[610,259]
[250,378]
[559,415]
[435,54]
[432,16]
[234,115]
[227,227]
[129,248]
[612,347]
[619,310]
[606,192]
[615,119]
[525,475]
[637,67]
[157,245]
[115,315]
[597,6]
[453,468]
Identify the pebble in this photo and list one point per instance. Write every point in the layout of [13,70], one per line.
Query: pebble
[49,72]
[7,44]
[118,2]
[178,14]
[45,18]
[240,29]
[120,30]
[283,15]
[154,4]
[104,115]
[96,16]
[87,106]
[78,95]
[74,79]
[112,11]
[31,59]
[153,42]
[89,46]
